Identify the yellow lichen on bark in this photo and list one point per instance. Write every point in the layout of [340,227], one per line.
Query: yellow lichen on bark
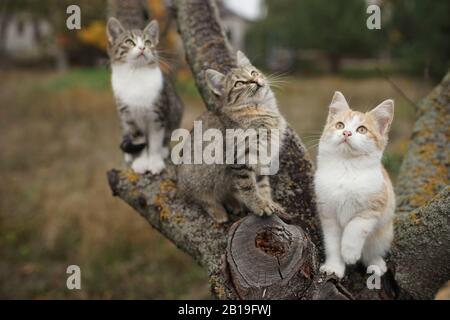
[218,288]
[130,175]
[166,188]
[414,218]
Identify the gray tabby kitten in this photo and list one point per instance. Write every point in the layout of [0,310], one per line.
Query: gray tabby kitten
[247,103]
[139,89]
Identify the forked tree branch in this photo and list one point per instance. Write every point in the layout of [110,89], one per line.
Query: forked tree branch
[249,257]
[288,253]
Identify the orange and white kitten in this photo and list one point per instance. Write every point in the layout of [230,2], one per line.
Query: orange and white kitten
[355,198]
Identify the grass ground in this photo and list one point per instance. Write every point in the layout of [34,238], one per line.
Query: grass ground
[59,136]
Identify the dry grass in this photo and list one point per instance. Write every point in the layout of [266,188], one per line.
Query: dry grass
[59,136]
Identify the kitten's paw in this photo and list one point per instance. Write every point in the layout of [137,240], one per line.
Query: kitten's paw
[268,208]
[350,253]
[336,268]
[140,165]
[156,164]
[377,266]
[217,212]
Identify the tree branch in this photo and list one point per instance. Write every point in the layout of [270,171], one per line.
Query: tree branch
[205,43]
[155,197]
[131,13]
[288,249]
[424,171]
[421,249]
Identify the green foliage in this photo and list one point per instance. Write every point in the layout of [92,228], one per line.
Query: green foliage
[93,78]
[415,33]
[55,10]
[337,28]
[419,32]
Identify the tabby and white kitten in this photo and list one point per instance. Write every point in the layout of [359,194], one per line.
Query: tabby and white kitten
[137,82]
[356,201]
[247,103]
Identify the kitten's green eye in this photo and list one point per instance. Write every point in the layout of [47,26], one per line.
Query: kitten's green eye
[130,43]
[254,73]
[340,125]
[148,43]
[238,84]
[361,129]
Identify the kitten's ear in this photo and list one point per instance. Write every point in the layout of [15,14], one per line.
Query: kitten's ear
[242,59]
[152,30]
[383,115]
[337,105]
[214,80]
[113,29]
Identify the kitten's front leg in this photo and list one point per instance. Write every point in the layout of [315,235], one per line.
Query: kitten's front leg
[332,237]
[244,180]
[265,191]
[355,234]
[264,187]
[157,152]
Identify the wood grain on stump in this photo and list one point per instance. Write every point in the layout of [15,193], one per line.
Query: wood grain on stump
[265,255]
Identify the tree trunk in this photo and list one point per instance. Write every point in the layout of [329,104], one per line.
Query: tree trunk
[131,13]
[249,257]
[422,235]
[334,60]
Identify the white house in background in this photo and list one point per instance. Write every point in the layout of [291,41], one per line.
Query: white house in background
[236,15]
[25,36]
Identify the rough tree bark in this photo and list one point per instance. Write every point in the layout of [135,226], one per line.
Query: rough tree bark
[249,257]
[421,248]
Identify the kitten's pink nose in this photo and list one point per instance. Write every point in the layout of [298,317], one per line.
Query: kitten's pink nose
[260,82]
[142,48]
[347,133]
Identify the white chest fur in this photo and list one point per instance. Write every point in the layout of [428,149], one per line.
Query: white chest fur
[344,186]
[136,87]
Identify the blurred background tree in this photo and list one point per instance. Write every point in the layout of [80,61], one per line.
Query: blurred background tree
[419,33]
[60,129]
[334,28]
[414,35]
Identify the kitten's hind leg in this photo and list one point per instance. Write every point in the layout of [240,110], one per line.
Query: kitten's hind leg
[215,210]
[264,187]
[232,205]
[130,129]
[128,146]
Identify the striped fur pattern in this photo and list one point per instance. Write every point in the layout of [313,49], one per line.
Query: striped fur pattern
[247,103]
[138,86]
[355,197]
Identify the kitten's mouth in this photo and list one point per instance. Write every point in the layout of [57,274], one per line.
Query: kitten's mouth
[346,142]
[256,89]
[141,55]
